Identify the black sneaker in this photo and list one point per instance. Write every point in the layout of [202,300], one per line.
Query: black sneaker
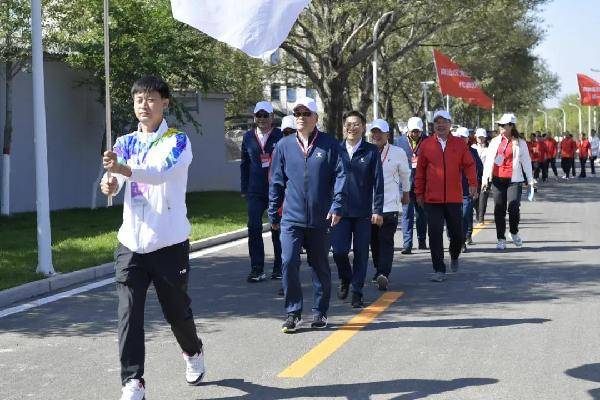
[454,265]
[469,240]
[319,321]
[422,245]
[357,301]
[291,323]
[382,282]
[464,248]
[276,275]
[256,275]
[343,291]
[408,250]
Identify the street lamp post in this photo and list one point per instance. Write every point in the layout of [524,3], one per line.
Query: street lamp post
[424,86]
[41,153]
[545,119]
[564,119]
[580,120]
[375,56]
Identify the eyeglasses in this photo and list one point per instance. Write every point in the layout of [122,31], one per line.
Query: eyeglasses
[299,114]
[415,131]
[262,114]
[503,125]
[354,125]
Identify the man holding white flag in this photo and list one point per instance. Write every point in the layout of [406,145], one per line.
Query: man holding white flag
[257,27]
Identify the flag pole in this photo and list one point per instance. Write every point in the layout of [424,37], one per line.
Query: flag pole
[107,87]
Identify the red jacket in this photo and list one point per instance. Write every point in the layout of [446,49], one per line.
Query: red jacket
[567,148]
[537,151]
[584,148]
[551,147]
[438,177]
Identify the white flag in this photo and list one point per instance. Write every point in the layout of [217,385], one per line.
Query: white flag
[257,27]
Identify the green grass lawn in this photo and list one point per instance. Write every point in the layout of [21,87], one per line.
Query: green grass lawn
[83,238]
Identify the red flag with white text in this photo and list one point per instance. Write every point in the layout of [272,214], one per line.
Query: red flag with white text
[455,82]
[589,90]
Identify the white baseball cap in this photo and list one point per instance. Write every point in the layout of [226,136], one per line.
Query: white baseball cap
[480,132]
[381,124]
[442,113]
[288,122]
[461,131]
[507,119]
[307,102]
[414,123]
[264,106]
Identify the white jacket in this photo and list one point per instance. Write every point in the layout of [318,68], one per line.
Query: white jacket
[521,161]
[154,212]
[595,145]
[395,171]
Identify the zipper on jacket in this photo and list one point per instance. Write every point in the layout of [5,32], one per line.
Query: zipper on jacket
[306,188]
[444,161]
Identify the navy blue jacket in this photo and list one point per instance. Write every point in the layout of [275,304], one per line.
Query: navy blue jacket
[363,192]
[255,178]
[478,166]
[312,186]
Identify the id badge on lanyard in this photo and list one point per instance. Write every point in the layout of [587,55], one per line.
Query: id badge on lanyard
[500,157]
[415,156]
[265,158]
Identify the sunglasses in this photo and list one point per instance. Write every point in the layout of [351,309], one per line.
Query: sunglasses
[299,114]
[503,125]
[262,114]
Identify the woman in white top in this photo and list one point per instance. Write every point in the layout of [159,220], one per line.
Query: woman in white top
[506,160]
[481,146]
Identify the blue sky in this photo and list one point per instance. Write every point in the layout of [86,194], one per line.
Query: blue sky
[572,42]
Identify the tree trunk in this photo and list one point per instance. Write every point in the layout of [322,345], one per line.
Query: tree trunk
[8,129]
[333,105]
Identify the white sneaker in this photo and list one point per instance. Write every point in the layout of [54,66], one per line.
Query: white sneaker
[133,390]
[501,245]
[516,239]
[194,371]
[438,277]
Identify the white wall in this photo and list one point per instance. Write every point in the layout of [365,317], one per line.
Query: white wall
[75,128]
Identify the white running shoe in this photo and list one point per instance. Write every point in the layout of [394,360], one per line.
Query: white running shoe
[133,390]
[438,277]
[194,371]
[516,239]
[501,245]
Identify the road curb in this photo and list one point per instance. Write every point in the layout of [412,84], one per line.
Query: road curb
[61,281]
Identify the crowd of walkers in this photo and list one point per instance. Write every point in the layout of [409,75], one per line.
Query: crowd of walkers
[320,195]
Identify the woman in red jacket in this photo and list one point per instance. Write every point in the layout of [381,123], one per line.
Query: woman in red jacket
[585,151]
[438,187]
[567,155]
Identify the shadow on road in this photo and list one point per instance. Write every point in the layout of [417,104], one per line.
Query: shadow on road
[460,323]
[588,372]
[410,388]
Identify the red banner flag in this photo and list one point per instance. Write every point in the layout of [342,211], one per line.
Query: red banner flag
[589,90]
[455,82]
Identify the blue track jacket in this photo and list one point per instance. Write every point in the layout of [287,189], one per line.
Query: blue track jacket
[363,191]
[313,185]
[255,178]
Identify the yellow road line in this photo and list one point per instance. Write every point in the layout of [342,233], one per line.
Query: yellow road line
[478,228]
[327,347]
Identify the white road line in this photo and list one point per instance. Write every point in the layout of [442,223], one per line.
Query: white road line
[91,286]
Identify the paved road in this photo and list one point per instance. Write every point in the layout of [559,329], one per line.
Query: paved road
[518,324]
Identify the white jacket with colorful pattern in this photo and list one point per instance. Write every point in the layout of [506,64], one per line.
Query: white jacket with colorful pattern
[154,211]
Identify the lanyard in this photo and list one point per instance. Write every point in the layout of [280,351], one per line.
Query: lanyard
[506,146]
[301,145]
[415,148]
[387,150]
[262,147]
